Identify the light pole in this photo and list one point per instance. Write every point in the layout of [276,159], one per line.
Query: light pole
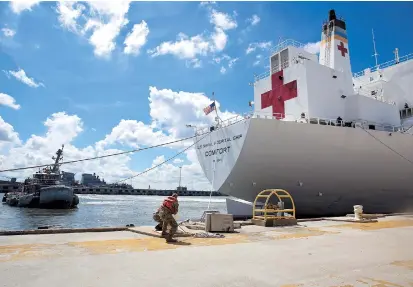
[180,172]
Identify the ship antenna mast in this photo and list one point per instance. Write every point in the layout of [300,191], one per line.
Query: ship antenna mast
[59,157]
[375,51]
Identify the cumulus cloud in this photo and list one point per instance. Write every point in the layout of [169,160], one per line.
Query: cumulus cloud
[313,48]
[99,22]
[222,21]
[258,60]
[201,45]
[258,45]
[21,76]
[225,61]
[8,101]
[7,133]
[18,6]
[207,3]
[136,39]
[8,32]
[254,20]
[170,112]
[68,14]
[184,48]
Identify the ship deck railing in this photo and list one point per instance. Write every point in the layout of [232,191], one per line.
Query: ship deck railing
[286,43]
[306,120]
[383,65]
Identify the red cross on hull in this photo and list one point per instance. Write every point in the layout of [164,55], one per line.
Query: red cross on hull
[278,95]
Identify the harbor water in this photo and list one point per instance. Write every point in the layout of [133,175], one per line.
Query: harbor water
[104,211]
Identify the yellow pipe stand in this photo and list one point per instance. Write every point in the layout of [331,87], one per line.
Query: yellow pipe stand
[271,213]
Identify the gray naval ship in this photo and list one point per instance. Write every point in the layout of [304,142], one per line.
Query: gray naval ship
[44,189]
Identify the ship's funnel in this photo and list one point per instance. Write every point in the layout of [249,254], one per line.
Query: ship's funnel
[332,15]
[334,50]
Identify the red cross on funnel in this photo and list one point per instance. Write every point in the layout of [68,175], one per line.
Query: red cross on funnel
[342,49]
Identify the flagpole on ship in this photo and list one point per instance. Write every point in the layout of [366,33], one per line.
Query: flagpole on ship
[216,109]
[215,159]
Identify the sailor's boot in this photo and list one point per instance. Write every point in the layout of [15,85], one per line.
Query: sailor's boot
[169,239]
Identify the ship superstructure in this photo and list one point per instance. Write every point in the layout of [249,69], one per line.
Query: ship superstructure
[331,138]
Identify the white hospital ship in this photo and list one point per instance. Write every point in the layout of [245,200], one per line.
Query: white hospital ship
[331,138]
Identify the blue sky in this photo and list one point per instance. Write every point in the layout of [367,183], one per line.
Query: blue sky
[102,91]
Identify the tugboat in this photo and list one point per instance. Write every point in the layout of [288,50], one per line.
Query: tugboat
[44,189]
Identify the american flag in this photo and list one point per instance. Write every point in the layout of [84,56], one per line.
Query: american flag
[209,108]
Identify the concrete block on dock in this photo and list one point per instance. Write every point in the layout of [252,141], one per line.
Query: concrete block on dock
[219,222]
[275,222]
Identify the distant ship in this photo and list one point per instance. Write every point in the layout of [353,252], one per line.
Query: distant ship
[44,190]
[331,138]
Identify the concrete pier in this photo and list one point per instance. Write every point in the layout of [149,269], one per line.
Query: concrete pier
[313,253]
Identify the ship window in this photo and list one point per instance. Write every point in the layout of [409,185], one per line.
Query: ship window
[284,58]
[275,63]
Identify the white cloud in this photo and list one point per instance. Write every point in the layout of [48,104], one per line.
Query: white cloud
[7,133]
[207,3]
[191,48]
[170,111]
[225,59]
[223,70]
[254,20]
[222,20]
[18,6]
[22,77]
[313,48]
[183,48]
[61,129]
[8,32]
[258,45]
[219,39]
[136,39]
[101,23]
[68,14]
[133,133]
[178,160]
[258,59]
[8,101]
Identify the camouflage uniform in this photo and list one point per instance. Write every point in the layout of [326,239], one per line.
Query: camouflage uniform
[157,217]
[167,219]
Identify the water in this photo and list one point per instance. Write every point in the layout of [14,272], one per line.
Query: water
[104,211]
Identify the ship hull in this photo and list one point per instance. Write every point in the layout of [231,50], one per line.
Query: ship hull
[56,197]
[326,169]
[51,197]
